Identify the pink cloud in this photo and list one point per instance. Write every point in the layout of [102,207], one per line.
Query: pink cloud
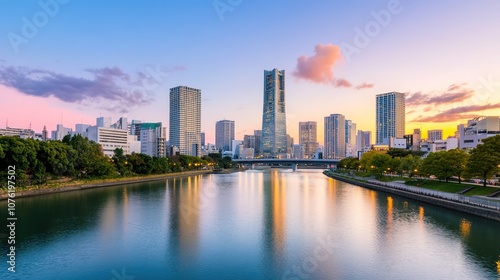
[342,83]
[363,86]
[319,67]
[456,93]
[458,113]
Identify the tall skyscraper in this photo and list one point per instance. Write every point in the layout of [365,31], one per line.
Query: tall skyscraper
[308,138]
[274,141]
[185,120]
[350,139]
[334,136]
[289,144]
[434,135]
[390,116]
[224,135]
[202,137]
[258,140]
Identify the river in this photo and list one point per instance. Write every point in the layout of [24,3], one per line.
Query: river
[257,224]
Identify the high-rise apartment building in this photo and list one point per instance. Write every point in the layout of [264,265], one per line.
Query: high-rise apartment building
[350,139]
[224,135]
[258,140]
[202,137]
[334,136]
[185,120]
[308,138]
[363,141]
[434,135]
[390,116]
[274,141]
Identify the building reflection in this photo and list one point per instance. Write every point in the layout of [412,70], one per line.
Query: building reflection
[390,210]
[465,226]
[421,213]
[274,229]
[498,265]
[184,221]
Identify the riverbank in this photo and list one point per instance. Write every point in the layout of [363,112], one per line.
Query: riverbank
[103,183]
[463,206]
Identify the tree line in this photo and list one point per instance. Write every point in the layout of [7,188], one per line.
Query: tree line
[77,157]
[481,162]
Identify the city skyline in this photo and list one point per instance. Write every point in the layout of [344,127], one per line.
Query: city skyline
[326,75]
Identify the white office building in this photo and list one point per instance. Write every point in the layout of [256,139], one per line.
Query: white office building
[60,132]
[109,139]
[476,130]
[439,145]
[434,135]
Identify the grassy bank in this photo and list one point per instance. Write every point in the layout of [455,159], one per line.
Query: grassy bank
[453,187]
[449,187]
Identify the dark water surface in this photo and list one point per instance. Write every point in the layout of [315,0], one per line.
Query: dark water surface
[271,224]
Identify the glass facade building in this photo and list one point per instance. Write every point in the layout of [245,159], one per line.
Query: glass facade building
[274,140]
[308,138]
[224,135]
[390,116]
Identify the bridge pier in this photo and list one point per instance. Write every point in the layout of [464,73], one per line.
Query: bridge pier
[252,166]
[294,166]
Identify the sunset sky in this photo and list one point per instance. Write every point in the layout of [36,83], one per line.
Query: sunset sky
[73,61]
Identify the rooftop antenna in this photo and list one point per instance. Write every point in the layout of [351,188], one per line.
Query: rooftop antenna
[7,123]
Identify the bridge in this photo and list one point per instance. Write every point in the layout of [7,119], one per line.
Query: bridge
[293,162]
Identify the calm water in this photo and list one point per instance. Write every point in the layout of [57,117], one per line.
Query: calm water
[272,224]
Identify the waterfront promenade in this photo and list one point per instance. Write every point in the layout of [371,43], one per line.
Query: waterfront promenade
[476,205]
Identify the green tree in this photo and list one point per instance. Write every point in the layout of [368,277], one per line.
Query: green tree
[430,165]
[160,165]
[410,165]
[484,160]
[453,163]
[56,157]
[21,153]
[121,164]
[349,163]
[141,164]
[381,163]
[366,160]
[402,153]
[394,166]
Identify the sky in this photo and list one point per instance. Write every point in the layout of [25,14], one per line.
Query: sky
[69,61]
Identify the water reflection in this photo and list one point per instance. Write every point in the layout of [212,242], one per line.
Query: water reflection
[390,209]
[498,265]
[421,213]
[274,218]
[184,200]
[465,228]
[251,225]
